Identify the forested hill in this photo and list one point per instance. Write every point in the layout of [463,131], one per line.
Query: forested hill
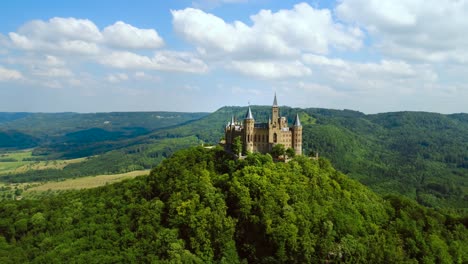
[201,206]
[71,135]
[421,155]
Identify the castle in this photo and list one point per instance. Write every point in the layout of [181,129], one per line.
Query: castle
[262,137]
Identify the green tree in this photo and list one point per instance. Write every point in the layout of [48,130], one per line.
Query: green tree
[291,153]
[237,145]
[278,151]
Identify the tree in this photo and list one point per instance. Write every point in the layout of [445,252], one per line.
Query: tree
[237,145]
[291,152]
[278,150]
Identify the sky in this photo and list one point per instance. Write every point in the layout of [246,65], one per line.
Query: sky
[371,56]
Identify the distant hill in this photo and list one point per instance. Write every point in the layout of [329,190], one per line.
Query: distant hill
[201,206]
[8,117]
[16,140]
[74,132]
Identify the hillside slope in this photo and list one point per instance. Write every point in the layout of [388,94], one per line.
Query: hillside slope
[200,206]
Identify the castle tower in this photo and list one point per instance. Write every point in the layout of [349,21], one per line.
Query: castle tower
[248,131]
[297,136]
[275,113]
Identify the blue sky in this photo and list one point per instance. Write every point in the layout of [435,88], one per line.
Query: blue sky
[366,55]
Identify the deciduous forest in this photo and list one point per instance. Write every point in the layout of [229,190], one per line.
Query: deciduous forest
[202,206]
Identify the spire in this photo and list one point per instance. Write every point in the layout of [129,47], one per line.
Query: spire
[297,122]
[232,120]
[249,114]
[275,102]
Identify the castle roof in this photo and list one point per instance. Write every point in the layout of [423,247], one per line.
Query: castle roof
[249,114]
[297,122]
[275,102]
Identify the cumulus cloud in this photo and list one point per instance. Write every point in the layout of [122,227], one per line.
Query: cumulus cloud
[416,30]
[58,34]
[9,74]
[162,60]
[270,69]
[81,36]
[284,33]
[389,75]
[116,45]
[123,35]
[391,67]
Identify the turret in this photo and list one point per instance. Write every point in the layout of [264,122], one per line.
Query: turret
[297,122]
[249,122]
[297,135]
[275,112]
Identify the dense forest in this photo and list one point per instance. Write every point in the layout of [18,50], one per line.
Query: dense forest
[202,206]
[421,155]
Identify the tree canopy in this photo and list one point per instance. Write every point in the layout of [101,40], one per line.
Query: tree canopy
[202,206]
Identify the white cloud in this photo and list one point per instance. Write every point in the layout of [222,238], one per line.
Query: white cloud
[122,35]
[9,74]
[420,30]
[284,33]
[70,37]
[162,60]
[385,75]
[270,69]
[53,61]
[118,77]
[59,29]
[142,76]
[58,34]
[81,36]
[390,68]
[53,72]
[63,46]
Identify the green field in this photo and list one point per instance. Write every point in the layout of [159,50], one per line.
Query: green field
[23,161]
[36,190]
[10,161]
[86,182]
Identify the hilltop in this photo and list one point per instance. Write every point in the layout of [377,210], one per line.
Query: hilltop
[201,206]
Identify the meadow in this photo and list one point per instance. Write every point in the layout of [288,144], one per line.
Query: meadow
[86,182]
[23,161]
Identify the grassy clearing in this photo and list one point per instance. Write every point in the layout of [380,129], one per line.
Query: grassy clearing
[43,165]
[17,155]
[17,162]
[86,182]
[10,161]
